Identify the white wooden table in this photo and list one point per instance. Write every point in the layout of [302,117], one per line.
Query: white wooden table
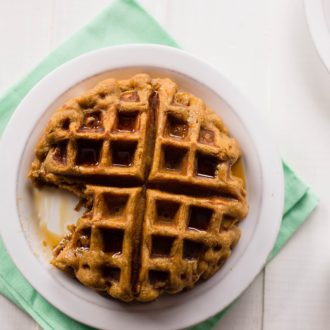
[265,48]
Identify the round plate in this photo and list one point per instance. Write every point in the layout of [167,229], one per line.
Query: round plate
[318,19]
[264,183]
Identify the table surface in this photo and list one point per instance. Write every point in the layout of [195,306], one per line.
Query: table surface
[265,48]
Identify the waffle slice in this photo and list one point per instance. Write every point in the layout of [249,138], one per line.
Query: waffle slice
[193,150]
[102,246]
[101,137]
[184,239]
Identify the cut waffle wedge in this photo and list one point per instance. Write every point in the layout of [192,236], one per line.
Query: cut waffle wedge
[184,239]
[193,151]
[155,166]
[101,137]
[102,246]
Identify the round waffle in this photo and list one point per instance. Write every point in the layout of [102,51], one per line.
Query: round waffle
[154,166]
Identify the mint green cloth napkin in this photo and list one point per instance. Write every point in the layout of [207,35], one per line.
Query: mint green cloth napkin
[123,22]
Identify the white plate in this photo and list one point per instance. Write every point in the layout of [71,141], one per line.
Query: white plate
[19,218]
[318,19]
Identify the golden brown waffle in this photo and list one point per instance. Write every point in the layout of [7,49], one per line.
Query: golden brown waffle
[156,168]
[192,149]
[101,248]
[184,238]
[101,136]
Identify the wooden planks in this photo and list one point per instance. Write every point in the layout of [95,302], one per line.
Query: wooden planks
[297,290]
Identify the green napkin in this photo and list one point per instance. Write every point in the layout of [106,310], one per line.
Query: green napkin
[123,22]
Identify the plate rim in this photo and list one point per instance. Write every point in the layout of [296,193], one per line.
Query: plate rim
[273,182]
[317,26]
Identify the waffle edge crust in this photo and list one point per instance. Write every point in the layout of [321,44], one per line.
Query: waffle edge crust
[154,166]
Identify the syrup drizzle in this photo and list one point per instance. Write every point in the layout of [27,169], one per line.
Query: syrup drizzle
[238,170]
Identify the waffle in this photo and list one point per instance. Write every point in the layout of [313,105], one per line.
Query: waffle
[193,149]
[184,238]
[101,136]
[102,245]
[156,169]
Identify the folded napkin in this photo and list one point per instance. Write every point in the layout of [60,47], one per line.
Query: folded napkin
[122,22]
